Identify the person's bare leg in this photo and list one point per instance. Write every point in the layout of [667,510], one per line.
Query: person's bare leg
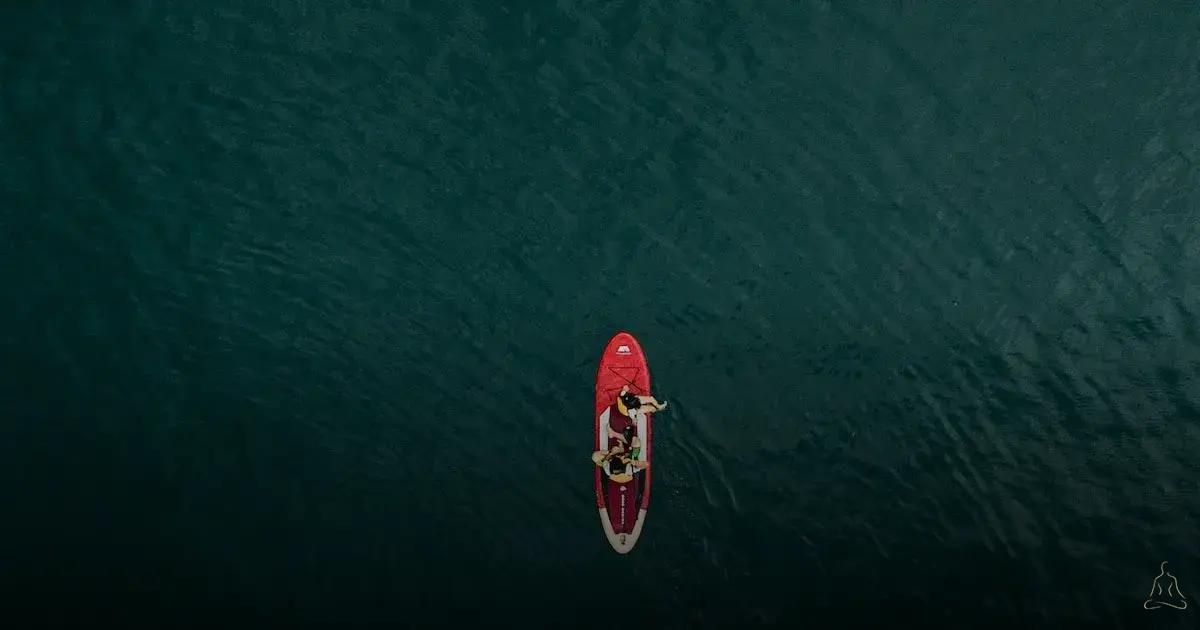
[650,400]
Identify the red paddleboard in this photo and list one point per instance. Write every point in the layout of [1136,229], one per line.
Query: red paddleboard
[622,505]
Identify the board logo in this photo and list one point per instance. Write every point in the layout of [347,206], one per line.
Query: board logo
[623,349]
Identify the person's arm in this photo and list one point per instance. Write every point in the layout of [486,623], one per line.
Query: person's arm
[614,434]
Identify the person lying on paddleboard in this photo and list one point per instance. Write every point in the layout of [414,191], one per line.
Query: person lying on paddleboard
[627,400]
[622,434]
[617,465]
[631,408]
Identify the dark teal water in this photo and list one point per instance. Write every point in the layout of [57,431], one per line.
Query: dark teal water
[304,301]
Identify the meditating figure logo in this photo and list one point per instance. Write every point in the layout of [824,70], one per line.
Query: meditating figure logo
[1168,596]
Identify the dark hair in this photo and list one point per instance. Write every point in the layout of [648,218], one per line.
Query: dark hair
[616,465]
[630,400]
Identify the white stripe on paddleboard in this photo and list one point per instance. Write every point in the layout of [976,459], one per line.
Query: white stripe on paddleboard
[641,431]
[602,439]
